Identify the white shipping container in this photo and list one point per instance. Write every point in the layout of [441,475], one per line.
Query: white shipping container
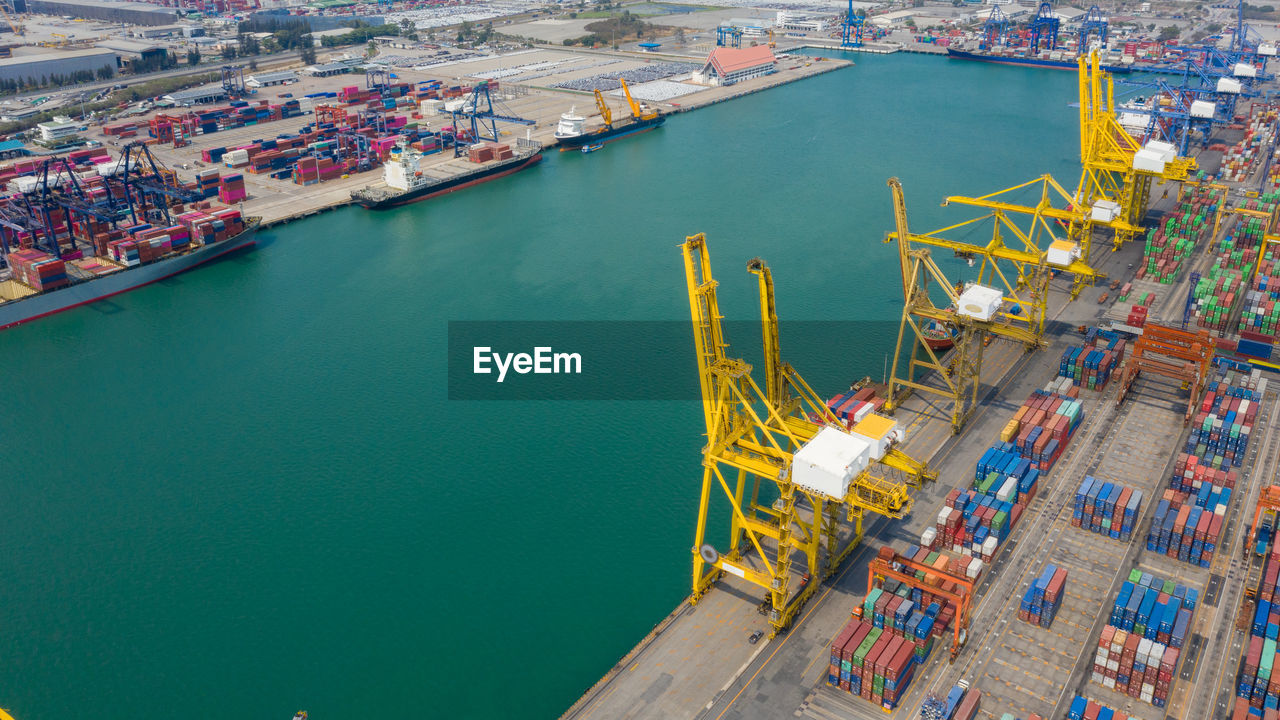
[989,546]
[928,537]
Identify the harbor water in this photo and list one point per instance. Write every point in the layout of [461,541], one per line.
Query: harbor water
[244,491]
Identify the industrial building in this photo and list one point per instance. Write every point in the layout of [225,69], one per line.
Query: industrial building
[282,77]
[59,128]
[329,69]
[726,66]
[198,96]
[158,31]
[132,13]
[131,51]
[58,63]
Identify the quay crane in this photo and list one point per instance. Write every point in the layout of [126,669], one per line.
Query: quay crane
[753,438]
[851,28]
[1116,172]
[995,31]
[1044,27]
[1094,23]
[1008,300]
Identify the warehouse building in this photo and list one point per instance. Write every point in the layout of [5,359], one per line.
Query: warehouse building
[130,51]
[132,13]
[726,66]
[64,63]
[260,80]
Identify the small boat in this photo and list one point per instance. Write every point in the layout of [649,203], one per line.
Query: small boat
[939,336]
[592,148]
[300,715]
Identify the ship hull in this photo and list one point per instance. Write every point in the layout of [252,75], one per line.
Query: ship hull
[447,186]
[35,307]
[1027,62]
[608,136]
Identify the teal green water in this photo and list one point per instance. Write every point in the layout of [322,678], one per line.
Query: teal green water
[242,491]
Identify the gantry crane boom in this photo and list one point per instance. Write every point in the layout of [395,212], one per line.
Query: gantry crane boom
[1025,286]
[1109,174]
[752,435]
[605,113]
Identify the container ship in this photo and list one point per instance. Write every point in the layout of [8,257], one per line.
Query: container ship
[1066,62]
[42,284]
[408,181]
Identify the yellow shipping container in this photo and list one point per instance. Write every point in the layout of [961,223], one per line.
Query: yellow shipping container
[1010,431]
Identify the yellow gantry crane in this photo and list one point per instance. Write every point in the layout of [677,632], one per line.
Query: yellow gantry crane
[1010,277]
[638,111]
[1116,171]
[753,438]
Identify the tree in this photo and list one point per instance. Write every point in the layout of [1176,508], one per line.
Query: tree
[229,52]
[270,45]
[253,63]
[104,72]
[372,49]
[1168,32]
[407,26]
[308,53]
[193,57]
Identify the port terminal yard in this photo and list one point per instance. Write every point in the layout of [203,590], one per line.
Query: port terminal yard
[280,201]
[700,661]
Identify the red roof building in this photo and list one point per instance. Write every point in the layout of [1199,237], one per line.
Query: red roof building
[726,66]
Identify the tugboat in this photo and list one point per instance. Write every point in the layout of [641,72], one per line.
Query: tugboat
[570,133]
[591,148]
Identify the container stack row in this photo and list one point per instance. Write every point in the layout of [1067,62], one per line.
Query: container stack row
[1085,709]
[1043,597]
[854,405]
[1107,508]
[1042,427]
[1261,316]
[1091,364]
[1240,159]
[1172,241]
[973,524]
[37,270]
[1258,682]
[1139,648]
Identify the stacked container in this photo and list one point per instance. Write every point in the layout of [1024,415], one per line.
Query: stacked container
[1106,508]
[975,525]
[1082,709]
[1258,683]
[231,189]
[38,271]
[1185,530]
[1154,609]
[1171,242]
[1042,427]
[1043,597]
[1091,364]
[1261,316]
[878,663]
